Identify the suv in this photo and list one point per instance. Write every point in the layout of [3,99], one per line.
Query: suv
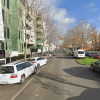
[16,72]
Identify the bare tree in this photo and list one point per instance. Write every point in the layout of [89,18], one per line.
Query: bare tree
[54,33]
[44,10]
[92,35]
[76,36]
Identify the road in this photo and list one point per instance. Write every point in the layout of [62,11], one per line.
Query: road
[61,79]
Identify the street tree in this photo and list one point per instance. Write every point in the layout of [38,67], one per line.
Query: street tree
[92,35]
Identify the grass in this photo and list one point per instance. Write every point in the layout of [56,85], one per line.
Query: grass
[87,60]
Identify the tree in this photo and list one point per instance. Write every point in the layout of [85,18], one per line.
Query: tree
[92,35]
[76,36]
[44,10]
[54,33]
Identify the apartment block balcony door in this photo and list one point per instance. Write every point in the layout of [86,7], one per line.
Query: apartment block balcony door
[2,46]
[2,52]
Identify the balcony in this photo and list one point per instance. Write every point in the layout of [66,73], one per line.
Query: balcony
[39,23]
[39,47]
[39,30]
[29,17]
[29,23]
[4,54]
[28,27]
[38,18]
[39,42]
[39,37]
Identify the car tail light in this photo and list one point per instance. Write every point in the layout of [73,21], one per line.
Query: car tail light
[33,62]
[14,76]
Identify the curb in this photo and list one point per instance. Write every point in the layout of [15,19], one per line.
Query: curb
[82,64]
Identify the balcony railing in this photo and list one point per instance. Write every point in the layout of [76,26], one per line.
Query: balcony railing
[40,43]
[39,30]
[39,37]
[2,56]
[39,23]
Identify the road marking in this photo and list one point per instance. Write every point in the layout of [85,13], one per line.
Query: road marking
[37,94]
[26,84]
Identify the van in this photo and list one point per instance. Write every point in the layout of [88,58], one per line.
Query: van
[79,53]
[16,72]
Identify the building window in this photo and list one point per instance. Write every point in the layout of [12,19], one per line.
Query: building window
[8,4]
[18,22]
[3,14]
[2,46]
[9,19]
[4,3]
[6,46]
[22,25]
[22,47]
[19,34]
[20,13]
[8,34]
[4,32]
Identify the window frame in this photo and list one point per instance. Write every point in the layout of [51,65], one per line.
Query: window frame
[8,4]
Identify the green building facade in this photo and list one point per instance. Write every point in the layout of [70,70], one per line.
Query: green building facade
[12,12]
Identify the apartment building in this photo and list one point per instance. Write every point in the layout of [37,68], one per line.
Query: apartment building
[16,20]
[11,16]
[40,30]
[30,37]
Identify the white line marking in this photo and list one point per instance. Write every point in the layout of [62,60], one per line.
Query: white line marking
[26,85]
[41,85]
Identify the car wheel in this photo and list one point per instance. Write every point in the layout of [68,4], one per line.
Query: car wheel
[35,71]
[22,79]
[38,65]
[92,68]
[46,62]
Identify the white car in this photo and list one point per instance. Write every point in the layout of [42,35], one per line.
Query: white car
[38,61]
[79,53]
[16,72]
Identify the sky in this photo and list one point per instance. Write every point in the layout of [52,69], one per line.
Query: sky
[70,12]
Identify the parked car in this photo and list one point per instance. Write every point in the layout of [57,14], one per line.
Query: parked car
[86,53]
[16,72]
[79,53]
[46,56]
[38,61]
[50,54]
[71,53]
[95,66]
[90,54]
[96,55]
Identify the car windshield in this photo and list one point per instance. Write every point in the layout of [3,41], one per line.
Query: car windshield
[31,59]
[81,52]
[6,69]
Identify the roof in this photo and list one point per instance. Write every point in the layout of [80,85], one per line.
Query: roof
[34,58]
[14,63]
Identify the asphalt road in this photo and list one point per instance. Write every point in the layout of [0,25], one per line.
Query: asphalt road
[61,79]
